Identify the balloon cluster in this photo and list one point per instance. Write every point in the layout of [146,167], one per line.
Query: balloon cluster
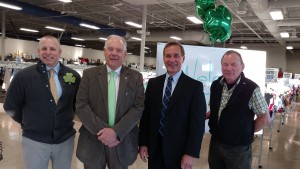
[216,21]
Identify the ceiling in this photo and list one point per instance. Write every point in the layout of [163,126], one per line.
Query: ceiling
[164,18]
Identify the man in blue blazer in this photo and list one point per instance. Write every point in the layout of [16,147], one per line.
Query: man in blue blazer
[110,139]
[173,121]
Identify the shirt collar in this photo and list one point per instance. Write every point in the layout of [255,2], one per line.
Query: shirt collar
[117,70]
[55,68]
[175,76]
[223,81]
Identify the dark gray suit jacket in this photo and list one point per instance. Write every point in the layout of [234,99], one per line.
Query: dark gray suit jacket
[92,110]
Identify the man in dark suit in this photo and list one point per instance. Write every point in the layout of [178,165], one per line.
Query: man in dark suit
[173,121]
[41,98]
[109,115]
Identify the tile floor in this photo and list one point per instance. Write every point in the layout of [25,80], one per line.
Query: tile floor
[284,155]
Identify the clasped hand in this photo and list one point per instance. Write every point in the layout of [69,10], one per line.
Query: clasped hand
[108,137]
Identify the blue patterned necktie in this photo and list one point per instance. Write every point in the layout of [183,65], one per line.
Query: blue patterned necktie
[165,103]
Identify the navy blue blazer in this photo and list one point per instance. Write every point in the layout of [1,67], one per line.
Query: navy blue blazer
[184,123]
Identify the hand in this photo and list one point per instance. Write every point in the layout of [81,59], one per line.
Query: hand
[114,143]
[187,162]
[143,151]
[207,115]
[108,137]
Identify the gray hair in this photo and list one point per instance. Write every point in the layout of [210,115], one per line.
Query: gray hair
[50,37]
[233,52]
[116,36]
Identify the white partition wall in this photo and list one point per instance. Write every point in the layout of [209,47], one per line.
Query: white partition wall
[204,64]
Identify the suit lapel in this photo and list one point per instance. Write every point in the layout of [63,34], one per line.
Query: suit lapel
[178,89]
[160,90]
[103,83]
[124,75]
[161,83]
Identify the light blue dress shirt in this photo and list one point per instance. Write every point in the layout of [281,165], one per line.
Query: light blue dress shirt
[174,82]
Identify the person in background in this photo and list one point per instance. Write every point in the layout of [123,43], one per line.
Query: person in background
[173,121]
[280,73]
[42,99]
[234,102]
[109,103]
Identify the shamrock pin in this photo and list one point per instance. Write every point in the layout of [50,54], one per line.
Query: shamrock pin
[69,78]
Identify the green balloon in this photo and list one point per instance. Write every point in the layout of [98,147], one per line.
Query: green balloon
[202,6]
[217,24]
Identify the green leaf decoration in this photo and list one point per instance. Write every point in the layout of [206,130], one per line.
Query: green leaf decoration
[69,78]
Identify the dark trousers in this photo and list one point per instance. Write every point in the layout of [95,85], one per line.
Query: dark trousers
[156,160]
[111,160]
[223,156]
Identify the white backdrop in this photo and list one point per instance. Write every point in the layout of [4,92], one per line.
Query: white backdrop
[204,64]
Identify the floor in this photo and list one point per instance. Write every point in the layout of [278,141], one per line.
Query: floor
[285,152]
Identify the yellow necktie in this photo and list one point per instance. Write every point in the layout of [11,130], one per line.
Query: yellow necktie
[53,86]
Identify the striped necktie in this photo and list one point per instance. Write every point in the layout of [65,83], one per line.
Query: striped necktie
[165,103]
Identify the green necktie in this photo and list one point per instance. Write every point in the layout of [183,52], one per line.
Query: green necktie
[111,99]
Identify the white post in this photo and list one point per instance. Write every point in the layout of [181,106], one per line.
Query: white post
[3,37]
[143,37]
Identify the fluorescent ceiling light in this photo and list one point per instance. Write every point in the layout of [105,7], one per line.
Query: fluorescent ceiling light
[103,38]
[135,38]
[66,1]
[194,19]
[289,47]
[243,47]
[276,14]
[284,34]
[133,24]
[28,30]
[146,47]
[10,6]
[129,53]
[77,39]
[79,45]
[55,28]
[89,26]
[175,37]
[242,8]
